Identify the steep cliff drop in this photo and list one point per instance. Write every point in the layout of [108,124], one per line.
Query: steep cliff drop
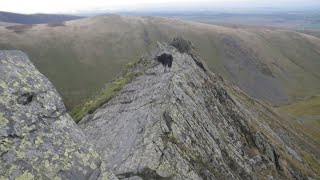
[38,139]
[185,124]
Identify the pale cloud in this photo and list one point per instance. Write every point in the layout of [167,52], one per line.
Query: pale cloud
[56,6]
[72,6]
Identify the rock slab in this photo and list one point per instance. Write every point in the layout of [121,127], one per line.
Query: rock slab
[38,139]
[183,124]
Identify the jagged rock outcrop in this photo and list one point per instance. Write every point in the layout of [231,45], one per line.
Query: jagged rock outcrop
[38,139]
[184,124]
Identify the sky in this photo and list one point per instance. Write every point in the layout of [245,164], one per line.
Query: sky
[75,6]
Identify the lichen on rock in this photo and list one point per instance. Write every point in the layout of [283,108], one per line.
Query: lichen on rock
[38,139]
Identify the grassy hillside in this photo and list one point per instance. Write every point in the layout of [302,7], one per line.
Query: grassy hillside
[80,57]
[307,108]
[307,115]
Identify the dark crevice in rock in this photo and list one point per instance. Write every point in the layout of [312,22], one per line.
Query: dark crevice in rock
[126,102]
[145,174]
[200,65]
[198,62]
[126,175]
[26,98]
[276,159]
[13,136]
[168,120]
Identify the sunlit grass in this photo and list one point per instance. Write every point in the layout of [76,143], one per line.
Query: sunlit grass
[101,98]
[309,107]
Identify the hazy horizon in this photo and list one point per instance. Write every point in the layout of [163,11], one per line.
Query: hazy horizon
[79,6]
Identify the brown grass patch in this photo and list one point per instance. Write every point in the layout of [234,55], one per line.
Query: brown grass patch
[20,28]
[56,24]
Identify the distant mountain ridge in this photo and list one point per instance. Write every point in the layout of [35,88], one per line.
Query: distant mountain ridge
[35,18]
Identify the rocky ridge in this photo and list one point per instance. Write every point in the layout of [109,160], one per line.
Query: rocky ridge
[185,124]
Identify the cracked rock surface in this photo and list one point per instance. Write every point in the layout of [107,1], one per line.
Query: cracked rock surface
[38,139]
[183,124]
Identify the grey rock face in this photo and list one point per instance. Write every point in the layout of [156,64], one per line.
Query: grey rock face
[182,124]
[38,139]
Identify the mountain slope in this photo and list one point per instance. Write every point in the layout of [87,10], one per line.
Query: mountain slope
[35,18]
[185,124]
[80,57]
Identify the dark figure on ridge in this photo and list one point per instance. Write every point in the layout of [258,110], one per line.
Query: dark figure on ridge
[166,60]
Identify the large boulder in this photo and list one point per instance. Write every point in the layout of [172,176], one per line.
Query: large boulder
[38,139]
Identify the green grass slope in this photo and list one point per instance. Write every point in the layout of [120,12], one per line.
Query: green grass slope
[307,113]
[80,57]
[307,108]
[102,97]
